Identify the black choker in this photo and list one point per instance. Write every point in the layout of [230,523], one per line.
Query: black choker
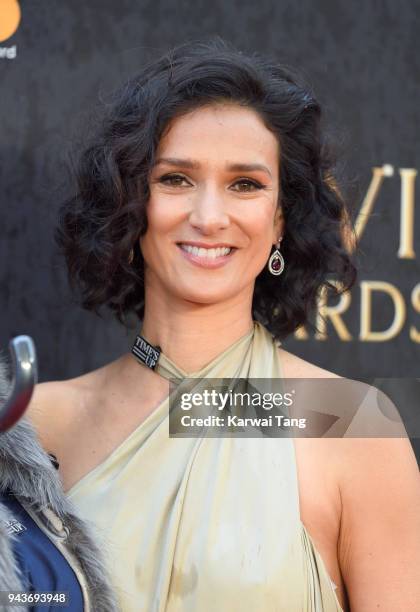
[145,353]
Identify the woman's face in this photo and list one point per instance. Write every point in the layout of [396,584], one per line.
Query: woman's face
[213,210]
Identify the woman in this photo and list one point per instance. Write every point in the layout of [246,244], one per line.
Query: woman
[204,162]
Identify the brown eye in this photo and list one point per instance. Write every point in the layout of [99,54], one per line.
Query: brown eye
[248,185]
[173,180]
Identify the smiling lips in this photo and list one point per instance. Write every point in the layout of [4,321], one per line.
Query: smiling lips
[206,257]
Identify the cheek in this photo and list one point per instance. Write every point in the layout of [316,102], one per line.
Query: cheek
[259,227]
[161,218]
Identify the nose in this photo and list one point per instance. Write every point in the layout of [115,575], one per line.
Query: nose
[209,214]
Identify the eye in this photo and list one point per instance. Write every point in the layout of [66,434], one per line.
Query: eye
[178,180]
[173,180]
[248,185]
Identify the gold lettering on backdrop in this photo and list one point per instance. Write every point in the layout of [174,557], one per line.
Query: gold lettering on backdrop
[415,300]
[334,314]
[408,178]
[366,333]
[301,333]
[372,193]
[405,251]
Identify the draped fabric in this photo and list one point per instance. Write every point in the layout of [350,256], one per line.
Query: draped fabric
[206,524]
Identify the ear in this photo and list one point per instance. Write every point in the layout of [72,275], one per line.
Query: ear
[278,224]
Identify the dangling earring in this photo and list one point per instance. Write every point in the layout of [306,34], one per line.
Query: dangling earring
[276,261]
[130,257]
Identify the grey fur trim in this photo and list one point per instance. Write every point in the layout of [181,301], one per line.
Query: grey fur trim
[26,469]
[9,571]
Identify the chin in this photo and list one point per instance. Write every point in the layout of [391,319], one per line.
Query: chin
[205,296]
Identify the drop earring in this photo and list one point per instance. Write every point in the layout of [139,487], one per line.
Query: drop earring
[276,261]
[130,257]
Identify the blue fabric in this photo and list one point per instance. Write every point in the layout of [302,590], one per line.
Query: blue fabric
[42,565]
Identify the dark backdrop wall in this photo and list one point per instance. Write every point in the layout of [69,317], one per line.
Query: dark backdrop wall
[363,61]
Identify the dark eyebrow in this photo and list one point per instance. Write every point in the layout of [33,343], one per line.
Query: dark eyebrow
[188,163]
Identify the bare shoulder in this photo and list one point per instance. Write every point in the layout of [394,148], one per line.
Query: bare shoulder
[296,367]
[56,406]
[367,417]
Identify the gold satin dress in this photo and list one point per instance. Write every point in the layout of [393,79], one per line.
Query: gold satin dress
[206,524]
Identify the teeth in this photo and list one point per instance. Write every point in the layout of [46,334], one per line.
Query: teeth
[209,253]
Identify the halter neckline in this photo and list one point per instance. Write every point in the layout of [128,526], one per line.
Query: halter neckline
[168,369]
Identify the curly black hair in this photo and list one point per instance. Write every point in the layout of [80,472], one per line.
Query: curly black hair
[103,220]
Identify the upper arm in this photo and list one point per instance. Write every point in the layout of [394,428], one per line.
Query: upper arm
[379,543]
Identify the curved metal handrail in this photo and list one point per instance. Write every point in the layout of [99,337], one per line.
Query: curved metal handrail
[22,350]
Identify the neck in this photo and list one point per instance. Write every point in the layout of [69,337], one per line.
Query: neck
[191,334]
